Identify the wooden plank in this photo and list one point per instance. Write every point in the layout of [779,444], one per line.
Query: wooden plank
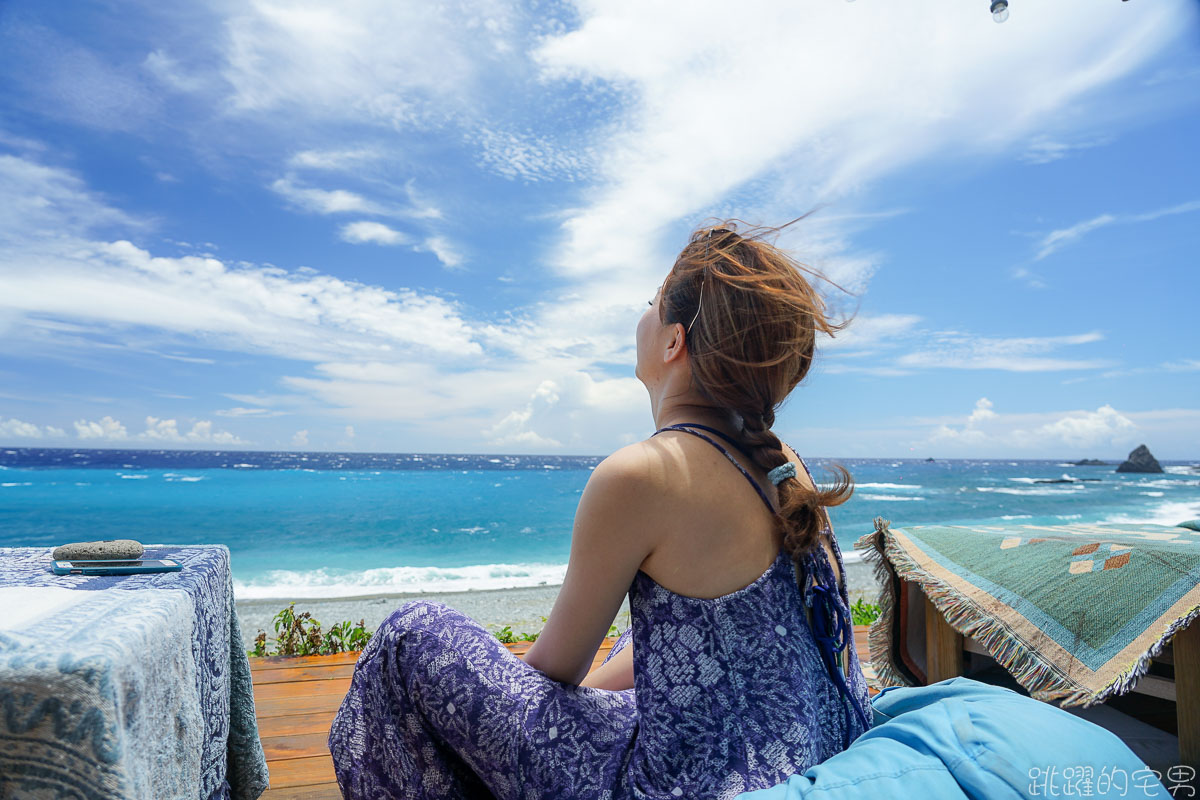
[320,791]
[297,674]
[295,724]
[290,706]
[280,748]
[943,646]
[276,691]
[275,662]
[1186,650]
[302,772]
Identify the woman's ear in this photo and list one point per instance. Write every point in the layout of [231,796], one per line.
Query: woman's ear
[677,344]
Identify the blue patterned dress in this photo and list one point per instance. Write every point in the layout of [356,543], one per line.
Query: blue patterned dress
[731,693]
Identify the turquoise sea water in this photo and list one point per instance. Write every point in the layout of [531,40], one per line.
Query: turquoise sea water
[330,525]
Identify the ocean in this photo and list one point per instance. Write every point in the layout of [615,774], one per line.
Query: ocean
[329,525]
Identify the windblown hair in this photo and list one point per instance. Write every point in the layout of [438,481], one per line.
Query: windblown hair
[751,343]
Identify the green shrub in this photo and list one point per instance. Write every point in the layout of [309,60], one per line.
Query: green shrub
[300,635]
[862,613]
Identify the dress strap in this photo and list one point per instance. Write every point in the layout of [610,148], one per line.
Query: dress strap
[734,461]
[737,445]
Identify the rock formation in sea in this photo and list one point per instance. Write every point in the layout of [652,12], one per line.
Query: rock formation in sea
[1140,460]
[1091,462]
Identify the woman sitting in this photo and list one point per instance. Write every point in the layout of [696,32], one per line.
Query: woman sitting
[739,668]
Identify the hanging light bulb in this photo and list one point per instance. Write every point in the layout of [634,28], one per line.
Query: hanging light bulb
[999,10]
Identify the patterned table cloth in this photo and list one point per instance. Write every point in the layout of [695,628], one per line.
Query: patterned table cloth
[125,686]
[1074,612]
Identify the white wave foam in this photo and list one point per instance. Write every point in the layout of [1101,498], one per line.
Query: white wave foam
[1065,477]
[184,478]
[134,477]
[324,583]
[1161,514]
[1180,470]
[6,485]
[852,556]
[912,486]
[1152,494]
[888,498]
[1166,483]
[1017,516]
[1071,488]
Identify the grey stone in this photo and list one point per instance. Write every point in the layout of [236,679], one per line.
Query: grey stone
[119,549]
[1140,460]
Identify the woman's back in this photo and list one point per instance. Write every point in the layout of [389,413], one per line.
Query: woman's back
[731,690]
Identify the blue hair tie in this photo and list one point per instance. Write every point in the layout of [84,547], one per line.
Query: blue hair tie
[782,473]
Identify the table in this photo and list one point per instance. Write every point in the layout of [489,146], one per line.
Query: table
[125,686]
[1077,614]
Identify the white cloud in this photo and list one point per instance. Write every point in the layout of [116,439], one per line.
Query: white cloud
[931,83]
[248,412]
[373,232]
[392,64]
[16,429]
[532,159]
[1044,149]
[105,428]
[115,285]
[157,430]
[324,201]
[1082,429]
[334,159]
[300,439]
[1058,239]
[1064,236]
[166,69]
[445,252]
[952,350]
[40,199]
[986,432]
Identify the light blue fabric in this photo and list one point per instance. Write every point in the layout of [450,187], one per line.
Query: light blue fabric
[126,686]
[782,473]
[961,738]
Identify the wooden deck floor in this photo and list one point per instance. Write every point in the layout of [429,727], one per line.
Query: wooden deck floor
[295,700]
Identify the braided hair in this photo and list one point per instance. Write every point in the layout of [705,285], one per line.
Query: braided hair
[750,342]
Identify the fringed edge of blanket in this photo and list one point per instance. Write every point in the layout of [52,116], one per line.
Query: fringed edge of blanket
[1130,676]
[1042,679]
[879,652]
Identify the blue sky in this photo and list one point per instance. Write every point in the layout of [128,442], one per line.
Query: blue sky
[406,227]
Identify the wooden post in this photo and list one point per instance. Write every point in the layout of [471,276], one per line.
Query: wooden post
[1185,648]
[943,646]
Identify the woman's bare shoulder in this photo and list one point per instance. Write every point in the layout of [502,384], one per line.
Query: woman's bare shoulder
[646,462]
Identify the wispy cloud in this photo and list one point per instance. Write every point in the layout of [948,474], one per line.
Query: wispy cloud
[1044,149]
[1056,240]
[953,350]
[372,232]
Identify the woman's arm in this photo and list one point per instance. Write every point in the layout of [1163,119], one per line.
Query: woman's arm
[616,527]
[615,674]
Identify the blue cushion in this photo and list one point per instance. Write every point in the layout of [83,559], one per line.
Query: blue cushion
[961,738]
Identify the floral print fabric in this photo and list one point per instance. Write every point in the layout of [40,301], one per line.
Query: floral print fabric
[729,695]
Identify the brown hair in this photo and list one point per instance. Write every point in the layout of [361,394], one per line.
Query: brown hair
[751,342]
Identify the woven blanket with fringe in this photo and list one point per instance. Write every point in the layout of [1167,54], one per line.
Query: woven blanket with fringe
[1074,612]
[125,686]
